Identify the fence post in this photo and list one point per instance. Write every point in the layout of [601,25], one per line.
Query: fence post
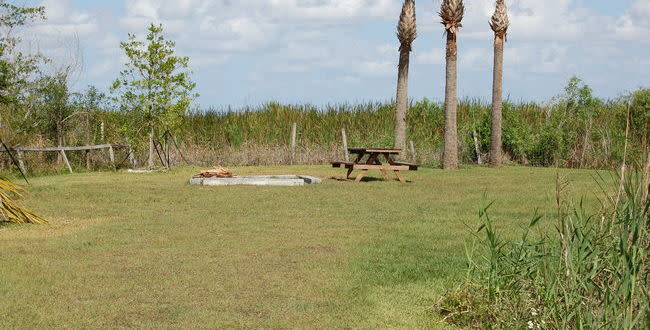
[294,131]
[21,161]
[477,149]
[344,137]
[134,165]
[414,156]
[88,161]
[65,159]
[111,156]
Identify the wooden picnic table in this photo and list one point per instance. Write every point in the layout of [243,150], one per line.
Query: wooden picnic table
[373,161]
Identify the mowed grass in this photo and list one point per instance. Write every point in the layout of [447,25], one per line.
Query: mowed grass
[149,250]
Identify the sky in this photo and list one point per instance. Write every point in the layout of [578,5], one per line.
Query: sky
[247,52]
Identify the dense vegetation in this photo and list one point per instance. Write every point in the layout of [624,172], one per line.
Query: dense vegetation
[591,273]
[575,129]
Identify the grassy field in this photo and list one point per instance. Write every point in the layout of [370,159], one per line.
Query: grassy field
[138,250]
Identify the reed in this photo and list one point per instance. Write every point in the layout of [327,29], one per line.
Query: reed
[568,133]
[590,272]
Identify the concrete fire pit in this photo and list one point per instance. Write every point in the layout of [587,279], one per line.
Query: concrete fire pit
[260,180]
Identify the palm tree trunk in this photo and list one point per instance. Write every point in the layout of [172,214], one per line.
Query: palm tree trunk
[402,99]
[497,104]
[450,155]
[151,147]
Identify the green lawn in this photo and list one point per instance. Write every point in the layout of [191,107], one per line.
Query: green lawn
[149,250]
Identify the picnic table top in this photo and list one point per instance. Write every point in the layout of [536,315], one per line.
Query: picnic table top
[374,150]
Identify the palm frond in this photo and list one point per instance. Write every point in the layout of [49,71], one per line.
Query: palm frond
[406,29]
[10,210]
[452,13]
[500,21]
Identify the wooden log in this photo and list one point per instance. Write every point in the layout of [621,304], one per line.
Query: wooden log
[65,160]
[294,132]
[344,137]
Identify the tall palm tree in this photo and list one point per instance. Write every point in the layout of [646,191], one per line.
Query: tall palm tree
[406,33]
[9,209]
[451,12]
[499,24]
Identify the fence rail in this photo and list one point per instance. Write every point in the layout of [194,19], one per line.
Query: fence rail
[111,153]
[81,148]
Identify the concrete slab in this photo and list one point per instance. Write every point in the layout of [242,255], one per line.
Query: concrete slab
[260,180]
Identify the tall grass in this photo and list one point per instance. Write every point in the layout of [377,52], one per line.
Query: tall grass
[590,272]
[580,132]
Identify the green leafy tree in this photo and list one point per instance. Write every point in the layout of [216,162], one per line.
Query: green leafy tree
[17,69]
[154,88]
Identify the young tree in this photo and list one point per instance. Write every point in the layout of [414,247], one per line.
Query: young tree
[406,33]
[451,12]
[17,69]
[499,24]
[155,87]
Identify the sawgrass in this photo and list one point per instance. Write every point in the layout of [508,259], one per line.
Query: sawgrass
[149,250]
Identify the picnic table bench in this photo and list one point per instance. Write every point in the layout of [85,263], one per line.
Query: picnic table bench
[372,162]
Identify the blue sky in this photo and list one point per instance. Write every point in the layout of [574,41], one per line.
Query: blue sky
[248,52]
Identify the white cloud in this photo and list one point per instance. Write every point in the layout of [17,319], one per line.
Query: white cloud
[349,40]
[634,25]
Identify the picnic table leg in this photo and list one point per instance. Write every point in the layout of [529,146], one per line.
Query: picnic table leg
[390,161]
[361,175]
[349,172]
[399,177]
[374,160]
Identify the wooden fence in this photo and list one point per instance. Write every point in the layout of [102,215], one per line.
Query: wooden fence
[20,153]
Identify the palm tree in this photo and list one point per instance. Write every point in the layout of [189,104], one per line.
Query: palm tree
[499,24]
[406,33]
[451,12]
[9,209]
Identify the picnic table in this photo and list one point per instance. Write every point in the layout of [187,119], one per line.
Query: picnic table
[373,161]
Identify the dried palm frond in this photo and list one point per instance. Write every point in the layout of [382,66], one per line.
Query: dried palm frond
[217,172]
[452,12]
[500,21]
[406,28]
[10,210]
